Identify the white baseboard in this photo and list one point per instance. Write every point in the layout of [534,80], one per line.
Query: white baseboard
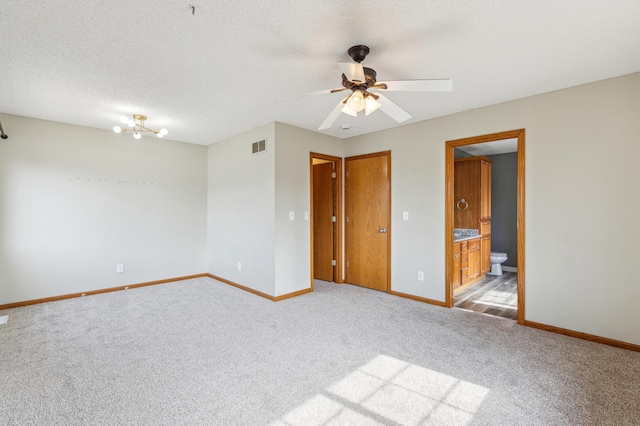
[509,268]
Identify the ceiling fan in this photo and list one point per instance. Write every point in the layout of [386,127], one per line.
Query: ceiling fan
[360,80]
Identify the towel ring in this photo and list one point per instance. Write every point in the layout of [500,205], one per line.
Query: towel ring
[466,205]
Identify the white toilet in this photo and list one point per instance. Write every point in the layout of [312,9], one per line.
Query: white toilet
[497,259]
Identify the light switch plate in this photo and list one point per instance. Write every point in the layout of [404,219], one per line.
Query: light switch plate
[292,215]
[405,215]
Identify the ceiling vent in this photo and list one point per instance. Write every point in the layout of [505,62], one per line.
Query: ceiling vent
[258,147]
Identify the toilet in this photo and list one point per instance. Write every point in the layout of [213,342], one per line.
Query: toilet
[497,259]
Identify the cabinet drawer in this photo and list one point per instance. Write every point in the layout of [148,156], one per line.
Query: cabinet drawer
[485,227]
[456,247]
[474,244]
[464,263]
[464,246]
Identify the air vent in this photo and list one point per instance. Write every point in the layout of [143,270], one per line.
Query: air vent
[258,147]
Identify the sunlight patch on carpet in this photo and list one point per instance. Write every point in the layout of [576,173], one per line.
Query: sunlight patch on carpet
[391,391]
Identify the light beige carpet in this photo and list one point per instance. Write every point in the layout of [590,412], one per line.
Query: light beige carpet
[200,352]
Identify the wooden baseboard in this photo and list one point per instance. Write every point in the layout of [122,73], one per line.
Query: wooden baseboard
[584,336]
[99,291]
[259,293]
[418,298]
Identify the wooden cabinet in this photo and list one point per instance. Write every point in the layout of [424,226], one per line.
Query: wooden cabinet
[464,262]
[485,190]
[474,259]
[472,192]
[456,266]
[485,254]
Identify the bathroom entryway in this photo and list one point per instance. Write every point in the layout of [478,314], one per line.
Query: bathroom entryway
[484,224]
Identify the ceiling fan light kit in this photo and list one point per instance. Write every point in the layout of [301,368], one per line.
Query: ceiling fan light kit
[137,127]
[361,79]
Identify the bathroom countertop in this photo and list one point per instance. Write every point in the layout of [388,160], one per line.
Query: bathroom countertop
[458,238]
[464,234]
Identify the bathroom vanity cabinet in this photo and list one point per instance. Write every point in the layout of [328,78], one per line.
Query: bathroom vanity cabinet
[471,260]
[472,210]
[456,265]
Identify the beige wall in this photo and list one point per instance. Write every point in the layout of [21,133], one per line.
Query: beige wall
[582,145]
[241,208]
[76,201]
[293,252]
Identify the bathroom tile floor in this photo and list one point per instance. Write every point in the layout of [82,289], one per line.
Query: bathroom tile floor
[495,295]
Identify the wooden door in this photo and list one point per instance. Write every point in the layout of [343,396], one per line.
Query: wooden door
[368,238]
[323,224]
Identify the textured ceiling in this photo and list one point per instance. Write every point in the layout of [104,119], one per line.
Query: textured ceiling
[216,73]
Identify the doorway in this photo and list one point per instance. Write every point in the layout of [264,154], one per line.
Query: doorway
[453,256]
[326,218]
[368,220]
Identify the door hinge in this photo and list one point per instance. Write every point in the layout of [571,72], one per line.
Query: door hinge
[334,219]
[334,263]
[333,175]
[347,263]
[347,174]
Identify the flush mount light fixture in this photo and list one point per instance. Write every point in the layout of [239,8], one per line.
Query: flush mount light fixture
[137,127]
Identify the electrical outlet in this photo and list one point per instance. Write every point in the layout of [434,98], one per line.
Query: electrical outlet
[119,268]
[405,215]
[292,215]
[420,276]
[239,266]
[306,215]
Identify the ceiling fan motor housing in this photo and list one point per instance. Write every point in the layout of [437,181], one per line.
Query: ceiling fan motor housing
[358,53]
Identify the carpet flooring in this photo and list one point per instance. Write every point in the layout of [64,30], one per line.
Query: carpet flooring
[200,352]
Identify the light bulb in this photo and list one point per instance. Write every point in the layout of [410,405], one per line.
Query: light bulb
[124,119]
[131,123]
[137,135]
[164,131]
[159,134]
[356,101]
[117,129]
[370,105]
[349,111]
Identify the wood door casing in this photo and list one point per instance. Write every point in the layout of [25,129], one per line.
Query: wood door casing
[368,211]
[323,225]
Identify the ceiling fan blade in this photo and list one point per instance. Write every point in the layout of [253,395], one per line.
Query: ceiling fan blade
[321,92]
[393,110]
[353,71]
[333,116]
[442,85]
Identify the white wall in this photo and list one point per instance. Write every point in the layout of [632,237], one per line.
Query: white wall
[582,147]
[241,205]
[76,201]
[293,193]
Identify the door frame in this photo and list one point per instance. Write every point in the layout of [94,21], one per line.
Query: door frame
[337,273]
[449,211]
[386,154]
